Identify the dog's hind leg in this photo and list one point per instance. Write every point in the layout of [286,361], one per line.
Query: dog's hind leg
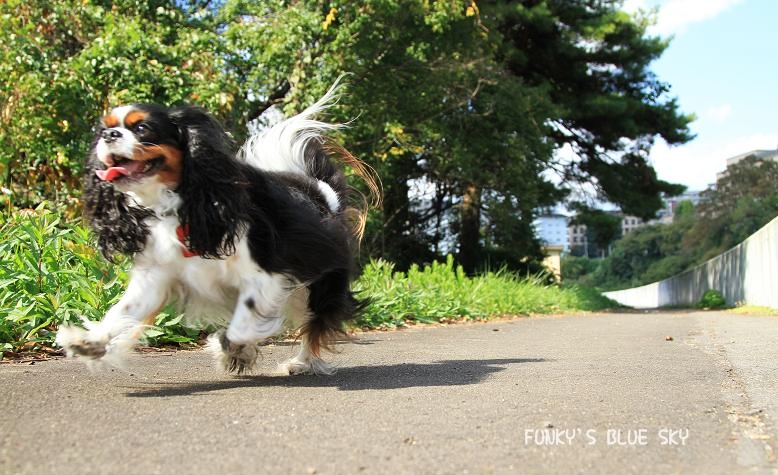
[257,316]
[298,314]
[305,362]
[330,303]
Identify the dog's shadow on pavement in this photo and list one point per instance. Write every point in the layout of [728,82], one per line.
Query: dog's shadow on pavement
[354,378]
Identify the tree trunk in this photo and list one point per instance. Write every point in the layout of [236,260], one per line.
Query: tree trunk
[396,238]
[470,231]
[396,216]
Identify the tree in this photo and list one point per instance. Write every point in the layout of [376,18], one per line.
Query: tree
[460,105]
[602,227]
[64,63]
[543,74]
[451,134]
[594,61]
[743,200]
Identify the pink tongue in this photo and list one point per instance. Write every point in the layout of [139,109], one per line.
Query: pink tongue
[112,173]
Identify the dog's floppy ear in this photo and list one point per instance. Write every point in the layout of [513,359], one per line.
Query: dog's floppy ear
[213,187]
[120,228]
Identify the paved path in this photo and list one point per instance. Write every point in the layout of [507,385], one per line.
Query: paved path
[474,398]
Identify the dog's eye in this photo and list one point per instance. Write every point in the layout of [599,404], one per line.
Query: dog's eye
[140,128]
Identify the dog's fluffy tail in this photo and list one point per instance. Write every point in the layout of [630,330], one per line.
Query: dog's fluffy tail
[300,145]
[282,147]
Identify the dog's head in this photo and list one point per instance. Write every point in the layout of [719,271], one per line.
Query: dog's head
[142,155]
[139,145]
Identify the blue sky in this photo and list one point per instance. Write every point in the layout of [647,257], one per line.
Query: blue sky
[722,65]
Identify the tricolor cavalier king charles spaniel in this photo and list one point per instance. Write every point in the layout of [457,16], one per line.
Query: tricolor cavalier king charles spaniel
[241,241]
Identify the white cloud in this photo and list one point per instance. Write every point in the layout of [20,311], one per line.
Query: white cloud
[675,16]
[718,114]
[697,163]
[634,5]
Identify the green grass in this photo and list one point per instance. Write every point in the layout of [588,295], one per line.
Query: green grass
[50,273]
[442,291]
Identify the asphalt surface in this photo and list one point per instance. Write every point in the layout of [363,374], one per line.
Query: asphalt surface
[614,393]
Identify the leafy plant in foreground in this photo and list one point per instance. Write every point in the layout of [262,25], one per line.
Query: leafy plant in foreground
[50,273]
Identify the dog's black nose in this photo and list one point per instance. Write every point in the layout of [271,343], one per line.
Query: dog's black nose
[110,135]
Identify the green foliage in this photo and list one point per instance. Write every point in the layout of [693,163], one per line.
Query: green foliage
[743,201]
[712,299]
[594,61]
[50,273]
[578,269]
[602,228]
[684,210]
[170,329]
[470,100]
[65,63]
[443,291]
[643,256]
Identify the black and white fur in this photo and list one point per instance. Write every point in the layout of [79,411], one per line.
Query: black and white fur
[267,232]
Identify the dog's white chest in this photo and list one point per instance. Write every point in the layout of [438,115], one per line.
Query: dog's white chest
[213,280]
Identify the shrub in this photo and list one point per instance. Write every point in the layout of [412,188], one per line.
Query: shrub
[578,269]
[712,299]
[442,291]
[50,273]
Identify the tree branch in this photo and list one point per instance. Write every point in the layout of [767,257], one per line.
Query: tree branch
[278,95]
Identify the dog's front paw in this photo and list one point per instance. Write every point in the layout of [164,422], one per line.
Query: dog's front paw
[79,342]
[241,358]
[233,357]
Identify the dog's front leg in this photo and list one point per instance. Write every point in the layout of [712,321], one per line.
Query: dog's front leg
[148,291]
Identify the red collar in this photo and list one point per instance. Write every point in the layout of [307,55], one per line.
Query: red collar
[182,232]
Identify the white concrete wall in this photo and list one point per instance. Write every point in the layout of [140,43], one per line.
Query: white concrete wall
[747,274]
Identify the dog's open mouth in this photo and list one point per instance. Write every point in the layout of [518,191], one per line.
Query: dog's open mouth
[127,168]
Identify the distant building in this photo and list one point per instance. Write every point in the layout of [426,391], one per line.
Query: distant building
[630,223]
[577,239]
[666,215]
[759,154]
[557,230]
[551,230]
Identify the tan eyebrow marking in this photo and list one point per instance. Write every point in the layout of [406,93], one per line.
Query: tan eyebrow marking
[134,117]
[111,121]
